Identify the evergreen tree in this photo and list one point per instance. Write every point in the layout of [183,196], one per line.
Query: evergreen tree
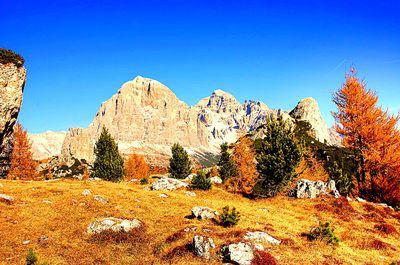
[201,182]
[227,168]
[278,154]
[180,165]
[108,164]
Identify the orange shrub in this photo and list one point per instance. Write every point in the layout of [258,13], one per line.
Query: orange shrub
[136,167]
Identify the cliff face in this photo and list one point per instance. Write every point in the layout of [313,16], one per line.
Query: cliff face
[48,144]
[146,117]
[12,82]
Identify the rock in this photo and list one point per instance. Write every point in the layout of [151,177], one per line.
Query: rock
[349,199]
[86,192]
[240,253]
[259,247]
[190,194]
[12,83]
[190,229]
[100,198]
[202,245]
[312,189]
[189,178]
[146,188]
[6,199]
[261,237]
[113,224]
[163,195]
[26,242]
[43,238]
[204,212]
[47,144]
[216,180]
[47,201]
[165,183]
[360,199]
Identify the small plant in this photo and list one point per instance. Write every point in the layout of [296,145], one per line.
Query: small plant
[31,257]
[324,232]
[201,182]
[144,181]
[8,56]
[229,217]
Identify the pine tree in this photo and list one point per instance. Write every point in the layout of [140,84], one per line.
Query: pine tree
[22,164]
[136,167]
[180,165]
[226,165]
[201,182]
[278,155]
[108,164]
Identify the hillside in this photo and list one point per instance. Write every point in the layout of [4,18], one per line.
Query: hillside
[52,217]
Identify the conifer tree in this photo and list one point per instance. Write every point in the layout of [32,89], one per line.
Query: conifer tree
[22,164]
[226,165]
[201,182]
[278,155]
[108,164]
[180,165]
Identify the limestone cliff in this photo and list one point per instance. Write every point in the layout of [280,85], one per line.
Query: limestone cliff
[47,144]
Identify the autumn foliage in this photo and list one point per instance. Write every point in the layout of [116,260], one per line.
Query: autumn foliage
[22,164]
[136,167]
[371,133]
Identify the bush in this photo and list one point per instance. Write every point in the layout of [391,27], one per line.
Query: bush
[324,232]
[201,182]
[343,181]
[227,168]
[108,164]
[31,257]
[144,181]
[180,165]
[263,258]
[229,217]
[8,56]
[278,155]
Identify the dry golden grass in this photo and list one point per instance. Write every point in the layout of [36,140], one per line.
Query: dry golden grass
[58,210]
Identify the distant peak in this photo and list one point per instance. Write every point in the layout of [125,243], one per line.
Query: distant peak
[221,92]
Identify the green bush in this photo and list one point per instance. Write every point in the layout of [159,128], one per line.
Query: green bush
[180,165]
[229,217]
[201,182]
[31,257]
[144,181]
[227,167]
[8,56]
[278,155]
[324,232]
[343,181]
[108,164]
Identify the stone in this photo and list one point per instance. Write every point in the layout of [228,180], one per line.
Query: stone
[165,183]
[190,194]
[6,199]
[360,199]
[200,212]
[202,245]
[190,177]
[259,236]
[113,224]
[311,189]
[1,185]
[26,242]
[43,238]
[12,83]
[47,201]
[163,195]
[86,192]
[240,253]
[100,198]
[216,180]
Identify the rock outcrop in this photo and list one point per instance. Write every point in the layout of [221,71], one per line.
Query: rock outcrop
[202,245]
[47,144]
[311,189]
[200,212]
[165,183]
[12,82]
[113,224]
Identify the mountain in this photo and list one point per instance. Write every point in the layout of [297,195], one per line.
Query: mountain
[146,117]
[47,144]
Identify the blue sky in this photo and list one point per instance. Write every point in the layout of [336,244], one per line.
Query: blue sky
[78,53]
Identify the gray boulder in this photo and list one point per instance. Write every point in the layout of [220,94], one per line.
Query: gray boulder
[216,180]
[240,253]
[86,192]
[113,224]
[202,245]
[165,183]
[100,198]
[311,189]
[201,212]
[259,236]
[6,199]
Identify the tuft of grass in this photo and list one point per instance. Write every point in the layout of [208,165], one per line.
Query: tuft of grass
[31,257]
[324,232]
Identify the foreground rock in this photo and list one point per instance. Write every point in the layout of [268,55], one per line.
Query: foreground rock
[100,198]
[216,180]
[165,183]
[12,82]
[240,253]
[200,212]
[261,237]
[312,189]
[202,245]
[6,199]
[113,224]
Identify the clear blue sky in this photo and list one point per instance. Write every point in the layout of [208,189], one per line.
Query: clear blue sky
[78,53]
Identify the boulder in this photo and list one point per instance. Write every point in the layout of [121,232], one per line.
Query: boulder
[6,199]
[200,212]
[163,195]
[86,192]
[202,245]
[190,194]
[240,253]
[165,183]
[100,198]
[311,189]
[259,236]
[190,177]
[216,180]
[113,224]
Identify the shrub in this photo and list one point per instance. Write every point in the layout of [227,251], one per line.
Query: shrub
[263,258]
[8,56]
[343,181]
[201,182]
[136,167]
[229,217]
[108,164]
[324,232]
[227,168]
[278,155]
[31,257]
[144,181]
[180,165]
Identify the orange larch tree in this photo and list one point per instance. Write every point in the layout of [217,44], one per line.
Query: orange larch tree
[371,133]
[136,167]
[244,157]
[22,164]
